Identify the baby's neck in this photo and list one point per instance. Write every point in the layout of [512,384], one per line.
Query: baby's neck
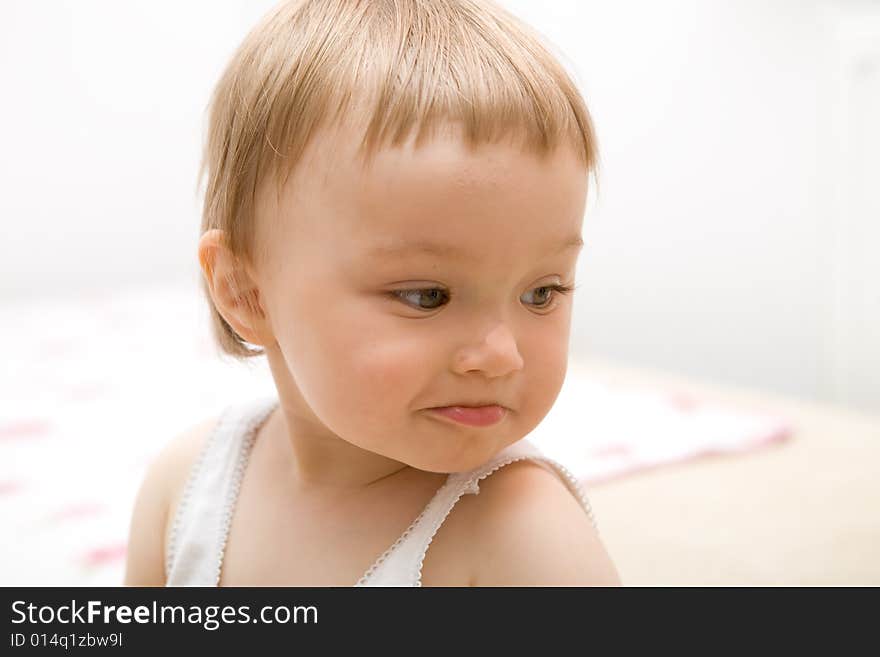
[325,463]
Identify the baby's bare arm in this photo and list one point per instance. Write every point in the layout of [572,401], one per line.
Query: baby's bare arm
[144,559]
[155,504]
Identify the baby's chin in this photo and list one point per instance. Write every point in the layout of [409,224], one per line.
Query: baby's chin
[459,458]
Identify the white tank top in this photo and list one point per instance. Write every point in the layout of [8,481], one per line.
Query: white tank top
[197,540]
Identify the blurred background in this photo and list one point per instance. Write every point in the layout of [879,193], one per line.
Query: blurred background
[732,241]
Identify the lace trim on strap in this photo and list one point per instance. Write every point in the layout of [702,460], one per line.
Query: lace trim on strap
[472,486]
[393,548]
[194,474]
[233,422]
[254,421]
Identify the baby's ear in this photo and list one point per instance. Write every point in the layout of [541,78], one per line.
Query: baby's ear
[233,290]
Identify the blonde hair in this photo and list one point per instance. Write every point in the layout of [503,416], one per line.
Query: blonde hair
[397,65]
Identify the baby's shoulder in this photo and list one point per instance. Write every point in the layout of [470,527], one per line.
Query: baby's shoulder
[527,528]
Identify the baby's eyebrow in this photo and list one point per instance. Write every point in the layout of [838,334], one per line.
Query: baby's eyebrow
[396,249]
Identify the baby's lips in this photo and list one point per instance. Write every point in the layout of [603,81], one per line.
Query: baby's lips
[480,416]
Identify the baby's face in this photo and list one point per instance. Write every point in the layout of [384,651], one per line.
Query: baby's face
[424,281]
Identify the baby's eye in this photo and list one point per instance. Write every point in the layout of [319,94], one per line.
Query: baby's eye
[545,293]
[433,295]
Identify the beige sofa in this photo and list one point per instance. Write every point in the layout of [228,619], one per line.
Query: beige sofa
[802,512]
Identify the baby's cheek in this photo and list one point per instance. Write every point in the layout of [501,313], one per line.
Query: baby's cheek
[545,371]
[388,375]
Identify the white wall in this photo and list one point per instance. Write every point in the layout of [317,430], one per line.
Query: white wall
[708,251]
[710,247]
[854,339]
[101,125]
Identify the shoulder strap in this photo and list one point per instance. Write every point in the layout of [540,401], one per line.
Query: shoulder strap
[401,565]
[197,538]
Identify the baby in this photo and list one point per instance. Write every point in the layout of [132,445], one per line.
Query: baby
[395,198]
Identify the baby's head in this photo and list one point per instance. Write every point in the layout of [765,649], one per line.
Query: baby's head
[394,202]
